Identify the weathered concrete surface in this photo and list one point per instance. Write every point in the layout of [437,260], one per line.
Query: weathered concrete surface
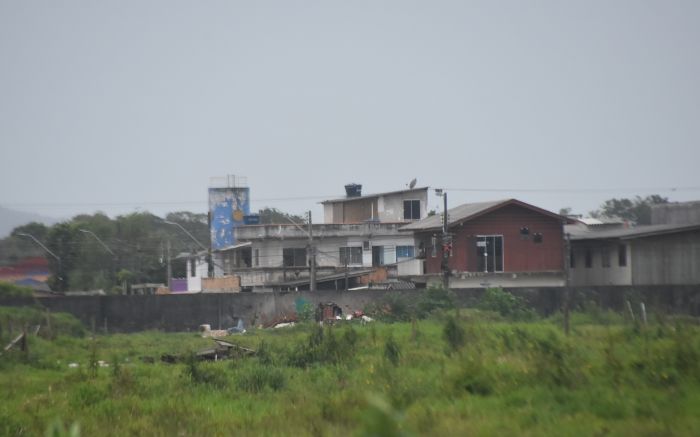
[222,310]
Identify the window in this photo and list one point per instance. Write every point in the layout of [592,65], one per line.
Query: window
[257,257]
[605,257]
[350,255]
[405,251]
[572,259]
[589,259]
[411,209]
[294,257]
[537,237]
[489,253]
[622,255]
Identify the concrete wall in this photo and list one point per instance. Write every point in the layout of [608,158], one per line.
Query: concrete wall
[675,213]
[667,259]
[222,310]
[391,207]
[597,274]
[386,208]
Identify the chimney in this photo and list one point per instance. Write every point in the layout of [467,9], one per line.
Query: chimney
[353,190]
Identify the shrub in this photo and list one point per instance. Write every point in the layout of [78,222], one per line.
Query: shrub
[433,300]
[11,290]
[392,351]
[201,373]
[256,378]
[475,378]
[505,303]
[453,334]
[324,347]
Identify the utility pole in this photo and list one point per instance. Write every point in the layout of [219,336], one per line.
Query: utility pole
[346,269]
[170,268]
[312,252]
[567,281]
[446,246]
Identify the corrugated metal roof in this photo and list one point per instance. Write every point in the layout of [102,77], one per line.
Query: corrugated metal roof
[370,196]
[578,233]
[468,211]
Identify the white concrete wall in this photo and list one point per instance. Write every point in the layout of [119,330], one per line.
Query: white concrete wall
[194,282]
[597,274]
[328,249]
[391,207]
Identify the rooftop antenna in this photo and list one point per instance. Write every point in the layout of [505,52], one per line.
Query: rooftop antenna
[412,184]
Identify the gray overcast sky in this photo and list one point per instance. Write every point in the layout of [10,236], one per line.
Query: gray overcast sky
[118,105]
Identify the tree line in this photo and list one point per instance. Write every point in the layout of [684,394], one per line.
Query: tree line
[138,243]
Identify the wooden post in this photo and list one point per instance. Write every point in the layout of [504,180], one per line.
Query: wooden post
[567,283]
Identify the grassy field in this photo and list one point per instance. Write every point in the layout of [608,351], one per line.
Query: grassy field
[452,373]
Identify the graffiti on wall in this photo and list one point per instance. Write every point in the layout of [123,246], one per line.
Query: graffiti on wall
[227,208]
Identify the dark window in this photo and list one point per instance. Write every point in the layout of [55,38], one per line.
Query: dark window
[489,253]
[405,251]
[294,257]
[350,255]
[411,209]
[572,259]
[245,257]
[622,255]
[257,257]
[377,256]
[589,259]
[537,237]
[605,257]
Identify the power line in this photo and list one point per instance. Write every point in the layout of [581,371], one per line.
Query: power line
[322,197]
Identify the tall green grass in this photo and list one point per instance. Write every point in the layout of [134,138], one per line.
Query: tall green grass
[472,372]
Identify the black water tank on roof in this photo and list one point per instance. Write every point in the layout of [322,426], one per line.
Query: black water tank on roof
[353,190]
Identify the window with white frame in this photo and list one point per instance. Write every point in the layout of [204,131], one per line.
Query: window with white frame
[350,255]
[489,253]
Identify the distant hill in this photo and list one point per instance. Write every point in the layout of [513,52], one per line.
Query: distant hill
[10,219]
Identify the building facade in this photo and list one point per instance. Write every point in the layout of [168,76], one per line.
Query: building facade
[505,243]
[643,255]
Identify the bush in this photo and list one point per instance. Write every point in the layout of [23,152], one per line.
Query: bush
[61,323]
[433,300]
[323,347]
[11,290]
[255,379]
[202,373]
[453,334]
[392,351]
[506,304]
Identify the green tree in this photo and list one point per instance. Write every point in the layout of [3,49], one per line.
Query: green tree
[273,216]
[637,210]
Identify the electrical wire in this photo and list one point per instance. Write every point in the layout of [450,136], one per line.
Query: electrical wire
[322,197]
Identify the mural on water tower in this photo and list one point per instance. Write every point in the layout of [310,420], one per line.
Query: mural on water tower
[227,209]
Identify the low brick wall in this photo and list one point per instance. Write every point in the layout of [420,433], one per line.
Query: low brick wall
[221,285]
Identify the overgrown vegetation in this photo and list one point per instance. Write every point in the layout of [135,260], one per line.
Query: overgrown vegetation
[11,290]
[472,371]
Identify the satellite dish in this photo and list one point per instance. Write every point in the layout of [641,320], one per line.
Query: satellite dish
[412,183]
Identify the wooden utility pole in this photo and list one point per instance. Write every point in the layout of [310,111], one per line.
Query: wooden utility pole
[567,282]
[312,253]
[346,268]
[446,242]
[170,268]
